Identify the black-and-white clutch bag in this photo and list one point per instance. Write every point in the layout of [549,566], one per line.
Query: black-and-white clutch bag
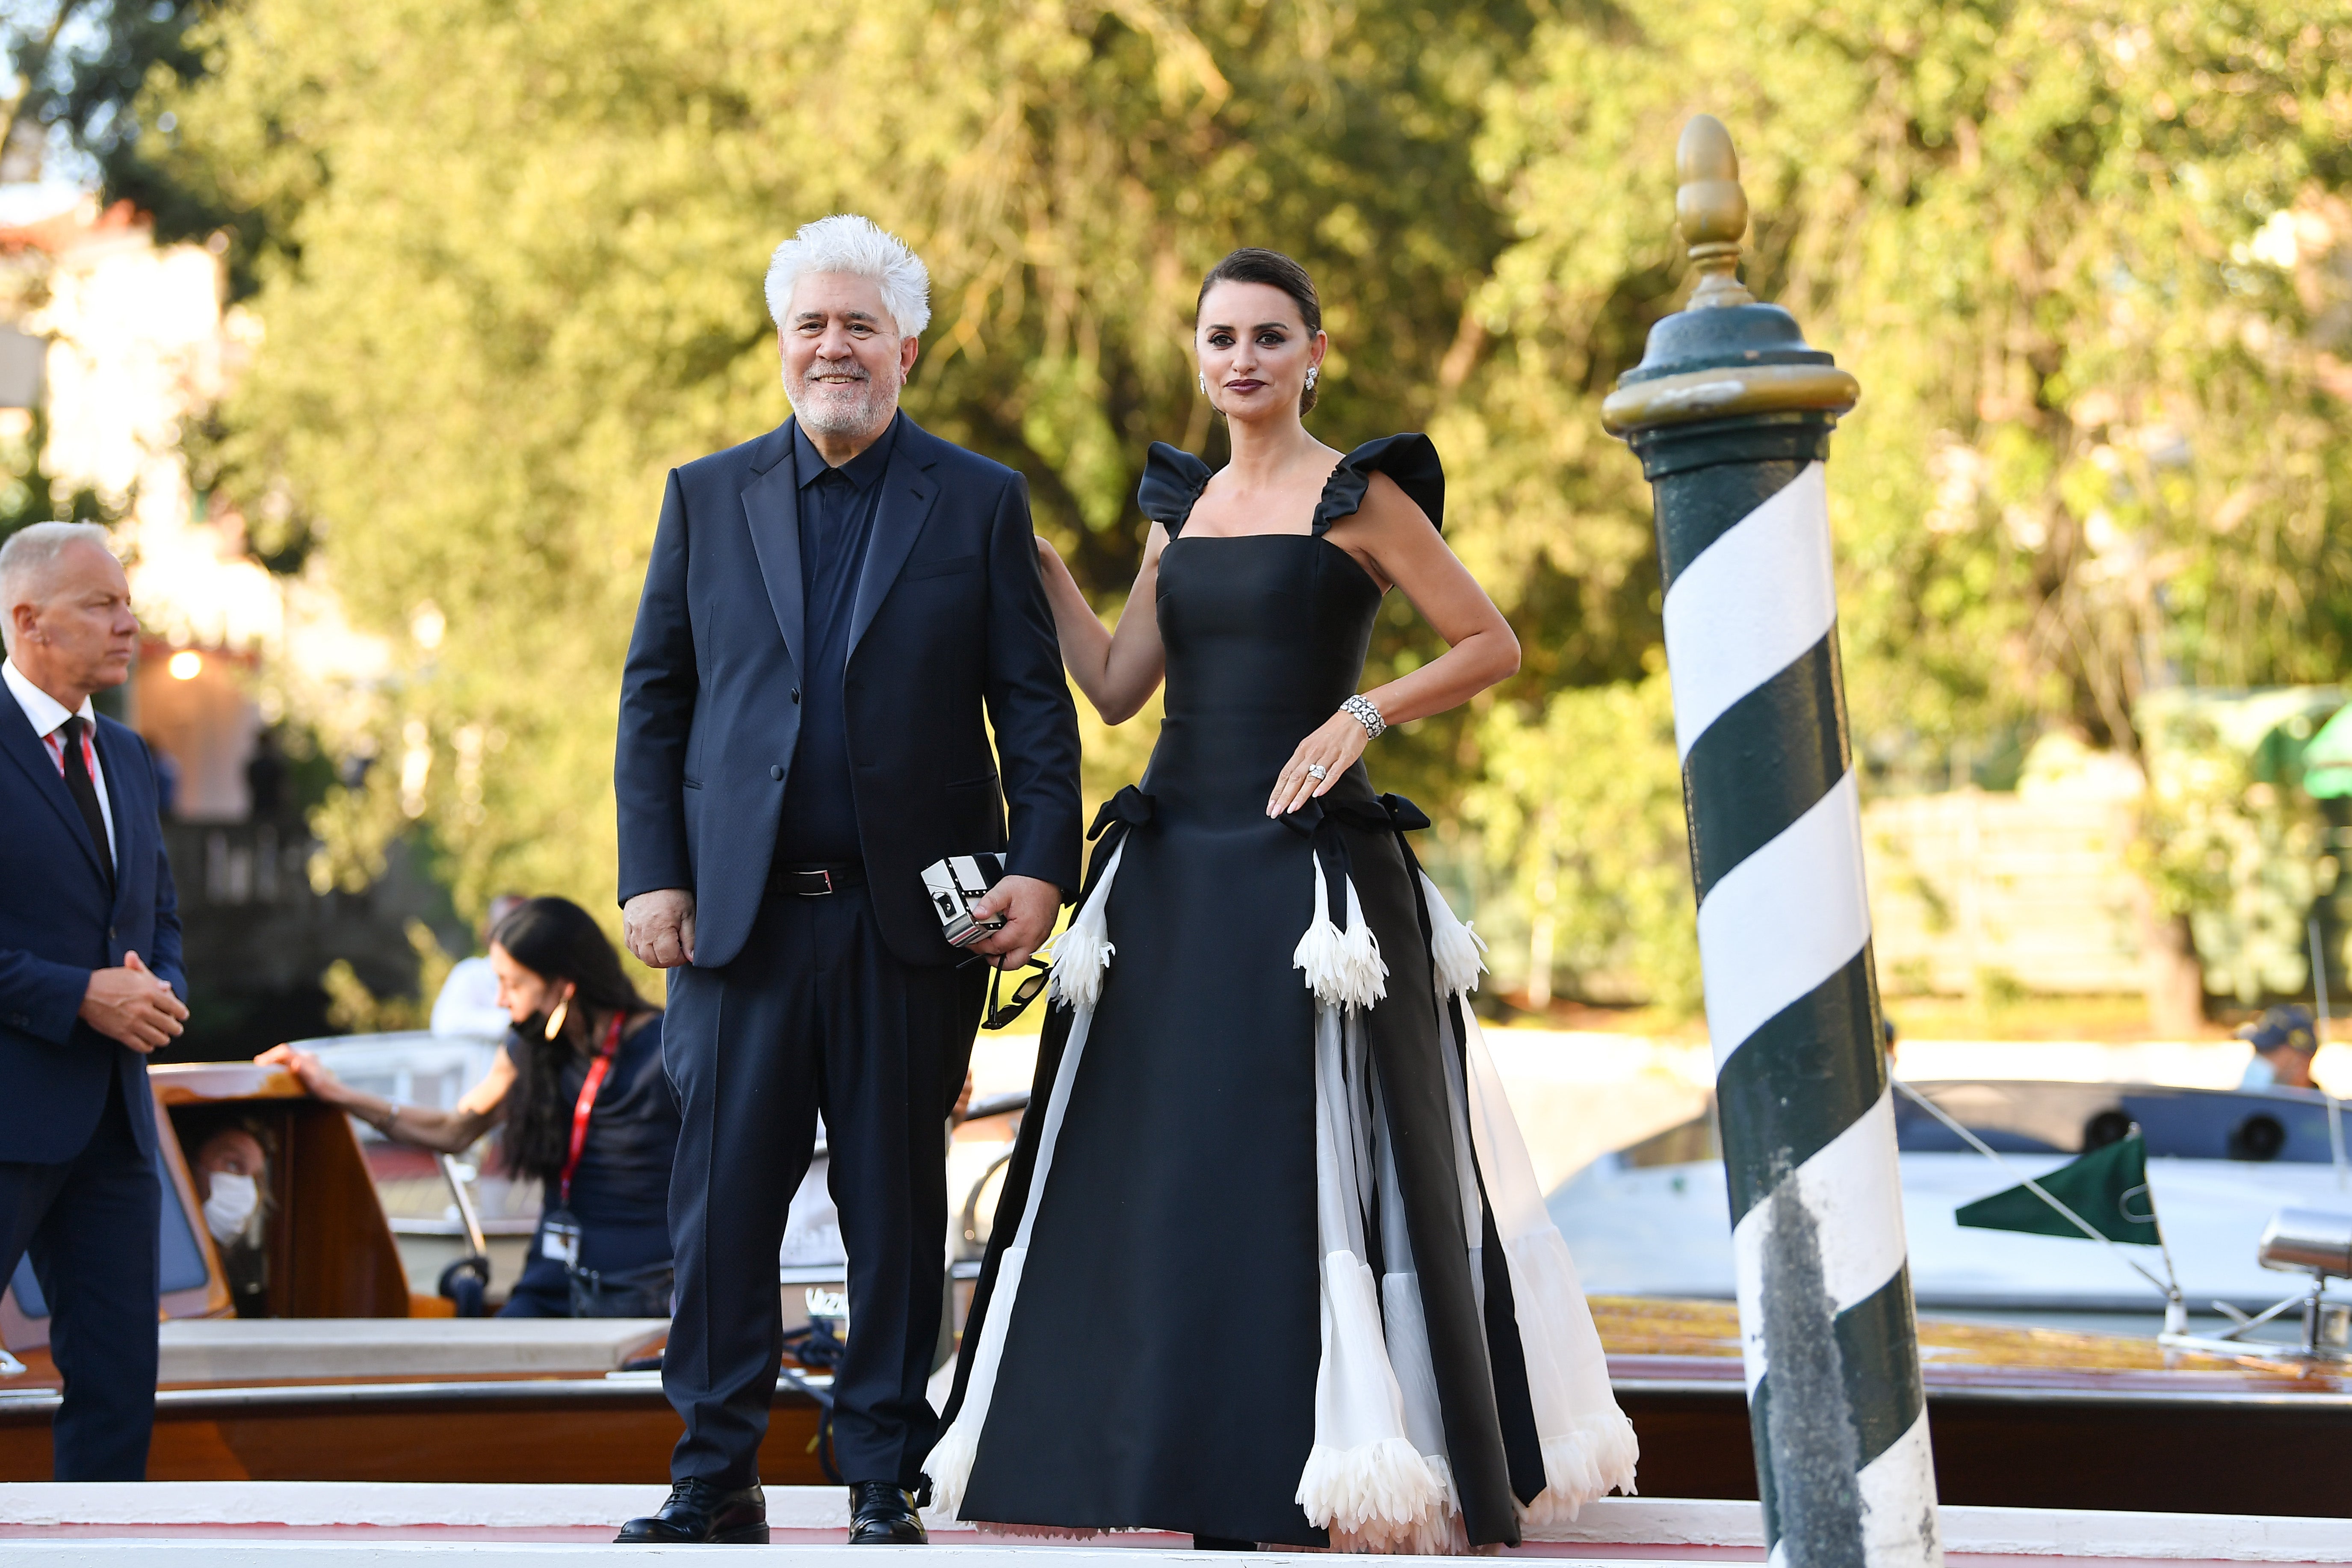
[957,883]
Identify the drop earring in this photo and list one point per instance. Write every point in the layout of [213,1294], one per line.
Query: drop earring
[1202,378]
[1312,371]
[555,1019]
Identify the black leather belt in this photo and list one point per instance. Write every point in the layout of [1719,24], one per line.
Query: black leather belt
[817,881]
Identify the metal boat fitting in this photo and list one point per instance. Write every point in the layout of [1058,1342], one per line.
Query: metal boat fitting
[2317,1240]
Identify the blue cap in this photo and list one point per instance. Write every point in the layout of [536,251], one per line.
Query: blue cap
[2283,1026]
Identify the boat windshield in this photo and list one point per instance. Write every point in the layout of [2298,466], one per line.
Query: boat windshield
[2018,1116]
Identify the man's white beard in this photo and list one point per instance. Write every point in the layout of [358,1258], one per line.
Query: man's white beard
[828,409]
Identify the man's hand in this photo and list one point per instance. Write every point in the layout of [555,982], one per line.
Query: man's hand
[130,1004]
[659,927]
[1028,907]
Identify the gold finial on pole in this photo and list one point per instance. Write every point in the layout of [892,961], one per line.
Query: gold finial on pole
[1712,210]
[1703,364]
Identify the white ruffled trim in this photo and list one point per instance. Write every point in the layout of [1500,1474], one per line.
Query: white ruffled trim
[1580,1466]
[1081,955]
[1376,1491]
[1083,951]
[950,1462]
[1364,1475]
[1344,969]
[1454,946]
[1438,1532]
[1588,1447]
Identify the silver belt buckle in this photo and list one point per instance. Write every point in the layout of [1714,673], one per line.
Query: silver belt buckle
[825,891]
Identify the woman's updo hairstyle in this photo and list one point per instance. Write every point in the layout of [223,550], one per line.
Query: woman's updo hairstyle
[1252,265]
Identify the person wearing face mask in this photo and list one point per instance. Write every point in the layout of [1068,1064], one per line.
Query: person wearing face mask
[584,1107]
[232,1174]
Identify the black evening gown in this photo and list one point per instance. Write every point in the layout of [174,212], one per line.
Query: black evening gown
[1270,1262]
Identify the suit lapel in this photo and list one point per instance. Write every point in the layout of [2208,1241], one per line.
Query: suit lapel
[772,509]
[123,797]
[899,513]
[25,750]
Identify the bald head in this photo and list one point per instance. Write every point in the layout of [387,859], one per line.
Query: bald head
[66,606]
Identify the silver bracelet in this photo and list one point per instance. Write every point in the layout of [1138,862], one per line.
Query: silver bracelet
[1361,710]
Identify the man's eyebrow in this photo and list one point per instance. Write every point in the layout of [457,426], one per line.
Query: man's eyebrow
[806,316]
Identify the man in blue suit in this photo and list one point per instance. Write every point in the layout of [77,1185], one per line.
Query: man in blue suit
[835,617]
[85,892]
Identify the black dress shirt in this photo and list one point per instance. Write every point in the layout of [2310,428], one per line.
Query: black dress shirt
[819,825]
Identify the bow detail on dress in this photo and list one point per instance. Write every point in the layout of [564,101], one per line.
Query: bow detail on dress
[1130,805]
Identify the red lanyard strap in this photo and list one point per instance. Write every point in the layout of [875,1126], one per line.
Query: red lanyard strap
[586,1103]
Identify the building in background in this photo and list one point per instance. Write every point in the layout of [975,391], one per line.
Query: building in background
[110,347]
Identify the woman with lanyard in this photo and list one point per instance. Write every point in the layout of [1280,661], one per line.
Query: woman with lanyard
[586,1108]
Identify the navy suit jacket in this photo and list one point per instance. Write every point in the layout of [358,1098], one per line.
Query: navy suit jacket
[57,924]
[950,635]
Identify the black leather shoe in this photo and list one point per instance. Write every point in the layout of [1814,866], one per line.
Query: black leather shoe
[882,1514]
[699,1513]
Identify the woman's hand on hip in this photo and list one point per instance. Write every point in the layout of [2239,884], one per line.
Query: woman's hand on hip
[1333,748]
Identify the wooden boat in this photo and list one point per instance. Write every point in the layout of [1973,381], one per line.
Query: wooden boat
[354,1377]
[2017,1417]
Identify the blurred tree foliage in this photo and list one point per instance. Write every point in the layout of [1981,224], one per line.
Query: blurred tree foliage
[1580,812]
[103,73]
[2090,265]
[2091,268]
[518,276]
[2233,845]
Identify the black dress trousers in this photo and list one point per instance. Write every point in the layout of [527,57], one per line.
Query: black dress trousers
[815,1014]
[90,1223]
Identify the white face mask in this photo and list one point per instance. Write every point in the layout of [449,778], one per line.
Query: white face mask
[231,1206]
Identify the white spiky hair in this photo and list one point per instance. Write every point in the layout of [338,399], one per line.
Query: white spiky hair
[863,249]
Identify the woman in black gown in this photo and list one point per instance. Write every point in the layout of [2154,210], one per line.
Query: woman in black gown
[1270,1263]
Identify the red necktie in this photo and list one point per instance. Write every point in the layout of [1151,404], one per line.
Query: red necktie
[84,791]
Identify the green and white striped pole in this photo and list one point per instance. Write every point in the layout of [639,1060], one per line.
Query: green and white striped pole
[1730,413]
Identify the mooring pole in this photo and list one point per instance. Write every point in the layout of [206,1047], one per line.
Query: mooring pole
[1730,413]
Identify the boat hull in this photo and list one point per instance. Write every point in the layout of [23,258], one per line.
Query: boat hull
[534,1431]
[2132,1450]
[2038,1449]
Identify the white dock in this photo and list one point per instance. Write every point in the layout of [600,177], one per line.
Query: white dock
[338,1524]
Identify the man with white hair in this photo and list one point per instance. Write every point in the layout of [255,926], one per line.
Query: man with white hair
[836,617]
[85,891]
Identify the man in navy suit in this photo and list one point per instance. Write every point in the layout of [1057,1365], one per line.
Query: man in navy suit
[85,891]
[835,616]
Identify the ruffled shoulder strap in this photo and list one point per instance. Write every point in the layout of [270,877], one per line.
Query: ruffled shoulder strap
[1410,460]
[1172,481]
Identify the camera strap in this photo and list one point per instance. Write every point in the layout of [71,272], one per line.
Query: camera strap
[585,1105]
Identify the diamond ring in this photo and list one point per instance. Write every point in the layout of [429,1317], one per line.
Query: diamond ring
[1317,772]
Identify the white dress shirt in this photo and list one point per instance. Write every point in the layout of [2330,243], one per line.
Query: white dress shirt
[48,716]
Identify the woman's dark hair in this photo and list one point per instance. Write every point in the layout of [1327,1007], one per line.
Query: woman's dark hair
[559,941]
[1252,265]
